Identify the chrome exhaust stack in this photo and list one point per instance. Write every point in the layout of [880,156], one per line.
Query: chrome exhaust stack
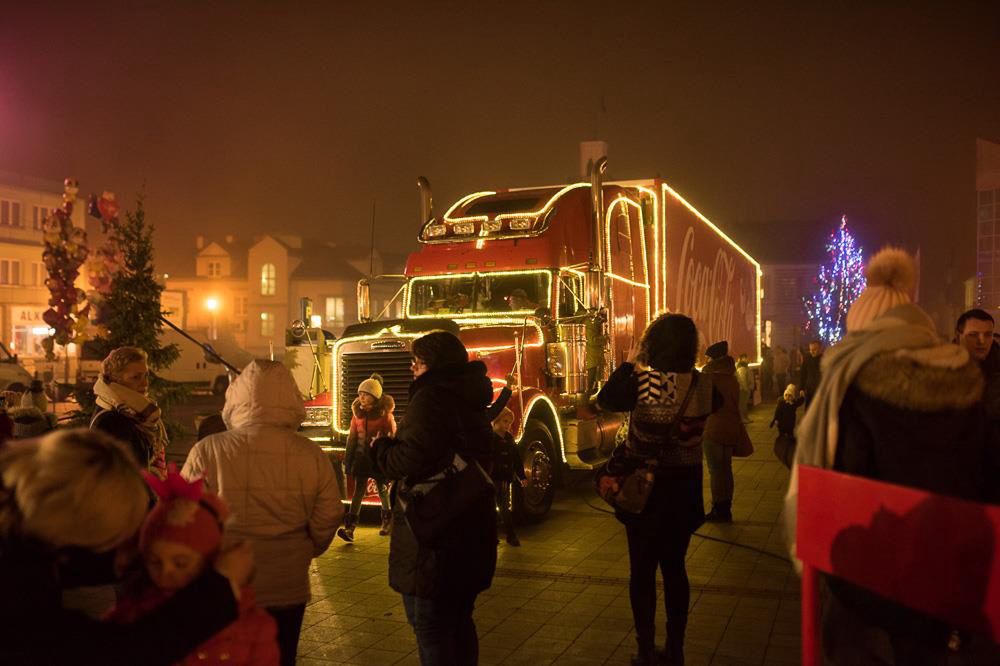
[426,200]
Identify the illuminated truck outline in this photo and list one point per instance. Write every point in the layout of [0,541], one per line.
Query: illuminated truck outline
[720,288]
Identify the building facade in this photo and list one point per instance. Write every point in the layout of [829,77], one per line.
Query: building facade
[988,224]
[24,298]
[784,316]
[250,292]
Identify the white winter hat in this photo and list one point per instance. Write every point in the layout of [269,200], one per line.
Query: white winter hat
[890,275]
[372,385]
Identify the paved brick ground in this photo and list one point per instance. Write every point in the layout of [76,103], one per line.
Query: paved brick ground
[562,597]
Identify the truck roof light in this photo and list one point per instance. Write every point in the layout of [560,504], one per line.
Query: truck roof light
[491,226]
[463,228]
[435,230]
[520,223]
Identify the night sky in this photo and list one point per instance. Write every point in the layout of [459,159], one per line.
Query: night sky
[250,117]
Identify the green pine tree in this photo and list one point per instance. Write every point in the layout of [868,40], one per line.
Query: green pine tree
[131,314]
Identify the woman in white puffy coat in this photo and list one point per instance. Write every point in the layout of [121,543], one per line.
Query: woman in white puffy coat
[280,486]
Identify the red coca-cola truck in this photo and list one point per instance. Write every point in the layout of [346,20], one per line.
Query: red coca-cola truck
[550,287]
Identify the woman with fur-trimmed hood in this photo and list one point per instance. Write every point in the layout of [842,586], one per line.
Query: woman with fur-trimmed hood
[371,417]
[895,404]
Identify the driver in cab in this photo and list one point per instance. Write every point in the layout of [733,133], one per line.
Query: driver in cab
[518,300]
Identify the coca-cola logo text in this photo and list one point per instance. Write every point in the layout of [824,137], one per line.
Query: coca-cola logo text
[705,293]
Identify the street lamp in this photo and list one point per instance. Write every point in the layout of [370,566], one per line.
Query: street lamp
[212,305]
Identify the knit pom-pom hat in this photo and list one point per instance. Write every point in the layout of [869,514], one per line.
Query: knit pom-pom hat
[372,385]
[891,276]
[185,514]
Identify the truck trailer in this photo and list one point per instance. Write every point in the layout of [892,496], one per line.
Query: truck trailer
[551,287]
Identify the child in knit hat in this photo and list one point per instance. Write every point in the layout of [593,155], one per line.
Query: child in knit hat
[177,541]
[371,418]
[784,417]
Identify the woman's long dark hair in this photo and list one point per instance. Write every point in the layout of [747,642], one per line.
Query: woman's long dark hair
[670,343]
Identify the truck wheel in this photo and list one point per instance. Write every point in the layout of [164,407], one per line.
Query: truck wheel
[220,385]
[534,501]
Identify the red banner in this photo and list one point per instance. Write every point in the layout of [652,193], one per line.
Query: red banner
[929,552]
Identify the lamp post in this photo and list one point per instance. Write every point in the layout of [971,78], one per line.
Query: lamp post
[212,305]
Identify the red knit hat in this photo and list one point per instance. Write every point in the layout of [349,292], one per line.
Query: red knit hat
[185,514]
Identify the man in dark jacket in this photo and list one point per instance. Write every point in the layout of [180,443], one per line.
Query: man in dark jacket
[974,331]
[722,431]
[439,581]
[809,373]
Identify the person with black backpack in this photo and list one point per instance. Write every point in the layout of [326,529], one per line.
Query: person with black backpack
[669,402]
[439,569]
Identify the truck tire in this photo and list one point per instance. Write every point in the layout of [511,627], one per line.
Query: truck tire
[220,385]
[537,452]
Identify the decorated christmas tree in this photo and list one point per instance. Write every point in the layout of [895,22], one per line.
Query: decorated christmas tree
[130,312]
[839,282]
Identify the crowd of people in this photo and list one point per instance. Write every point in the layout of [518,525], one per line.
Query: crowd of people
[127,560]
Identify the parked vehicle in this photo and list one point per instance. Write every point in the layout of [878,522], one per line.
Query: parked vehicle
[193,367]
[198,370]
[551,287]
[13,376]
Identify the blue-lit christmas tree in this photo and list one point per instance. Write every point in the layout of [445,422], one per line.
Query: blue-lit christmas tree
[840,281]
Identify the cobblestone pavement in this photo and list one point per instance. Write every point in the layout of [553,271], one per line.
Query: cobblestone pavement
[562,597]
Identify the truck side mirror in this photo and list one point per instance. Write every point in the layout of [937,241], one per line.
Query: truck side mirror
[364,301]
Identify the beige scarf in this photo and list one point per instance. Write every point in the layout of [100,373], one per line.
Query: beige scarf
[146,414]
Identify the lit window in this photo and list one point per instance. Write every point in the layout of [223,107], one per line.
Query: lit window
[215,269]
[335,310]
[266,324]
[268,278]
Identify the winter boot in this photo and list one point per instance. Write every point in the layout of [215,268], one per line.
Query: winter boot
[722,512]
[386,523]
[512,538]
[347,531]
[673,653]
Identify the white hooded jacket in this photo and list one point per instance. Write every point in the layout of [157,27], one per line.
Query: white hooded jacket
[279,486]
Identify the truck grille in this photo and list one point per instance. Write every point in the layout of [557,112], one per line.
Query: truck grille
[394,366]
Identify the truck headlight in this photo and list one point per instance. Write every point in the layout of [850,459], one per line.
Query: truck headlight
[463,228]
[520,224]
[491,226]
[555,358]
[435,230]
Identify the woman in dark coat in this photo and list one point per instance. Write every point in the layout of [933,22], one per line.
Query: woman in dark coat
[653,385]
[440,581]
[67,502]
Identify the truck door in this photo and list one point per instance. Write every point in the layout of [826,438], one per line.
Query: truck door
[626,261]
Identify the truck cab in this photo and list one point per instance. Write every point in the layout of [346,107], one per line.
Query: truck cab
[550,287]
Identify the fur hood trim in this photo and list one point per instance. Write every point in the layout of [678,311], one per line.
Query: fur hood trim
[926,380]
[384,405]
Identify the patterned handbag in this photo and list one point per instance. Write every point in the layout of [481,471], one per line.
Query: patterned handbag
[626,481]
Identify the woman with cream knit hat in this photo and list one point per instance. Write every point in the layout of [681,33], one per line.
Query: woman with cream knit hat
[898,404]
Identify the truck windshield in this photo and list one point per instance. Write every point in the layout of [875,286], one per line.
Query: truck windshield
[521,292]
